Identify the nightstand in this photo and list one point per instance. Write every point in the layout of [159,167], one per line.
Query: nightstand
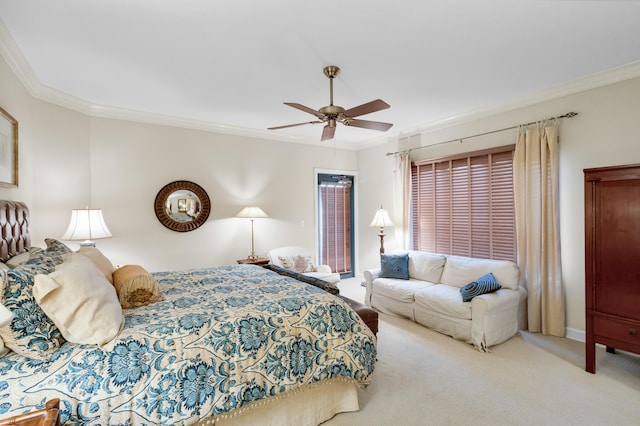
[48,416]
[260,261]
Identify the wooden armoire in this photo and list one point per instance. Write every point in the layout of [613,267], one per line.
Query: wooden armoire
[612,259]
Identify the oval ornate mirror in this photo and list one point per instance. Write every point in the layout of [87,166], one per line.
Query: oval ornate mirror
[182,206]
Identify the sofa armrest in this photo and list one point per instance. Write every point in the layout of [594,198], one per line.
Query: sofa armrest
[494,317]
[325,269]
[496,301]
[369,276]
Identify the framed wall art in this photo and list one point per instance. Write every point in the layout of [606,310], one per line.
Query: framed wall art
[8,150]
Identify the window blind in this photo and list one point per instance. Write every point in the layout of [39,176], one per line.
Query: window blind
[335,226]
[464,205]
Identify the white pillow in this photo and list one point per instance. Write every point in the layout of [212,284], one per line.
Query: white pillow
[3,349]
[80,301]
[5,315]
[101,261]
[5,318]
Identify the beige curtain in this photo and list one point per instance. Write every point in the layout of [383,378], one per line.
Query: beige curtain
[535,179]
[402,200]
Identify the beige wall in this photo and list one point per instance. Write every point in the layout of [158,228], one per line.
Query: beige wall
[604,133]
[131,162]
[72,160]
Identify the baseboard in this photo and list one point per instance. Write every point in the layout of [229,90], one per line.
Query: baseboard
[573,334]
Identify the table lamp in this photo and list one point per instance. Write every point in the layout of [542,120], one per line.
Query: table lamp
[252,213]
[88,225]
[380,220]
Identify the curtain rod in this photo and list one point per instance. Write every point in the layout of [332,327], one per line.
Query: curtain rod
[567,115]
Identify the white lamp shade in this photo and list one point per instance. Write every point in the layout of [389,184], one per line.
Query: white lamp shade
[86,224]
[381,219]
[252,212]
[5,315]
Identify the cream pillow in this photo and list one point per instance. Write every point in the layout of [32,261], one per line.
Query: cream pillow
[18,260]
[298,263]
[5,317]
[135,286]
[101,261]
[80,301]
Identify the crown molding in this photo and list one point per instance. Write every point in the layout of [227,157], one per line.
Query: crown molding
[593,81]
[104,111]
[12,54]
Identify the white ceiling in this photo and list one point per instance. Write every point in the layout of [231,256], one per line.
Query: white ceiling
[230,65]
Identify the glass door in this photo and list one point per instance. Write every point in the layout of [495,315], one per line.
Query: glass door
[335,213]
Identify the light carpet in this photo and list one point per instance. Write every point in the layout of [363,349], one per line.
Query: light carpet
[426,378]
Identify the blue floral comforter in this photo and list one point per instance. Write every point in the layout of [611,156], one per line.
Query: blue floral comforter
[221,338]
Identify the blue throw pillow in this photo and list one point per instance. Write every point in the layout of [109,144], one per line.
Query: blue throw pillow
[394,266]
[484,284]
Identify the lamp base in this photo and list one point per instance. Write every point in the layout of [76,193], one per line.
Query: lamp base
[381,235]
[88,243]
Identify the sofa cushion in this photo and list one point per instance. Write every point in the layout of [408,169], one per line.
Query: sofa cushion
[426,266]
[394,266]
[443,299]
[460,271]
[398,289]
[483,285]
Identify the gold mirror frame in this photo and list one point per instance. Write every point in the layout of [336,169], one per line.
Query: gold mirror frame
[9,147]
[166,219]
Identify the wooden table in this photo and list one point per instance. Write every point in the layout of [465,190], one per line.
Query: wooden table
[260,261]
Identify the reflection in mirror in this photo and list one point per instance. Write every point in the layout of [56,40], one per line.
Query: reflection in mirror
[182,206]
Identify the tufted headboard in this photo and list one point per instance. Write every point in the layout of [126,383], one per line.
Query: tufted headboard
[14,225]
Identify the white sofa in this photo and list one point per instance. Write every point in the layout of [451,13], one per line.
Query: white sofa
[322,272]
[431,297]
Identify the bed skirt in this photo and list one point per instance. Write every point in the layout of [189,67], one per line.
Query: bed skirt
[309,405]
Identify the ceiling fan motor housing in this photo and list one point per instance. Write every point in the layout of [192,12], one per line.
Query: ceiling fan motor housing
[332,110]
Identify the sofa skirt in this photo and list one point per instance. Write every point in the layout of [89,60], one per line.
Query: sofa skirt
[390,306]
[457,328]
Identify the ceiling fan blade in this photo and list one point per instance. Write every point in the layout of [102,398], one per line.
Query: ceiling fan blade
[367,108]
[366,124]
[293,125]
[328,133]
[305,109]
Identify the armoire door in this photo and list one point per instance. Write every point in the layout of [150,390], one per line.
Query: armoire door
[612,260]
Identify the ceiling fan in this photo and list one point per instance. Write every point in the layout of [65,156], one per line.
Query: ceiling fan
[333,114]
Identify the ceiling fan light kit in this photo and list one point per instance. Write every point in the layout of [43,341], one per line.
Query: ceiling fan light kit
[333,114]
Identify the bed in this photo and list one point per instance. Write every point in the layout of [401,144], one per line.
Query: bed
[234,344]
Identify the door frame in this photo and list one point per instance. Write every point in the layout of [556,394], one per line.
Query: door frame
[354,225]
